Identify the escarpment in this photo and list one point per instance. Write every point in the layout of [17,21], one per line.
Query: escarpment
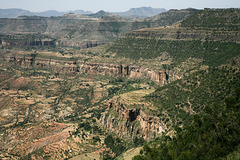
[83,44]
[47,42]
[185,34]
[131,122]
[131,71]
[17,43]
[74,67]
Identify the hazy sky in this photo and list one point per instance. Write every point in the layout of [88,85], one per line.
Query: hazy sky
[114,5]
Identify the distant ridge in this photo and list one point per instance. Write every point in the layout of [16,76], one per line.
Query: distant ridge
[170,17]
[141,12]
[99,14]
[15,12]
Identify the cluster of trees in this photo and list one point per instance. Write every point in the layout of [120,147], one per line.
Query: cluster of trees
[122,85]
[115,144]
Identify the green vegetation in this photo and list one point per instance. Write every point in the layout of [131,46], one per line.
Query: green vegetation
[188,96]
[212,53]
[213,134]
[138,141]
[115,144]
[122,85]
[221,19]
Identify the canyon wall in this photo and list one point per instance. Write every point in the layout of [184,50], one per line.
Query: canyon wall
[49,42]
[19,43]
[74,67]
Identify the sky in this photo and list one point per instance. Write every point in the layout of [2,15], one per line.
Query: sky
[114,5]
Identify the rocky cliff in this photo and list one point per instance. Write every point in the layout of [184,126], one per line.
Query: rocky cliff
[17,43]
[129,122]
[59,66]
[21,41]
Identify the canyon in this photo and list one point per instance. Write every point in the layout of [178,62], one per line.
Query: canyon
[95,86]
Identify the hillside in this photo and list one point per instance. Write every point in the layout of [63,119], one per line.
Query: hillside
[204,111]
[170,17]
[212,46]
[214,19]
[206,59]
[211,53]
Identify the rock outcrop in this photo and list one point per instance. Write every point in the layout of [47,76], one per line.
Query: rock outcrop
[131,123]
[58,66]
[82,44]
[130,71]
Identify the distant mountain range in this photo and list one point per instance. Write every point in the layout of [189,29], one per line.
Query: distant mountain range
[142,12]
[13,13]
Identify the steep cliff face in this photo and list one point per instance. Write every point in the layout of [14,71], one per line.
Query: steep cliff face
[131,123]
[160,76]
[48,42]
[18,43]
[57,65]
[130,71]
[82,44]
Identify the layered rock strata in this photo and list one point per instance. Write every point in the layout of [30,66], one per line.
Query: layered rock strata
[17,43]
[186,34]
[58,66]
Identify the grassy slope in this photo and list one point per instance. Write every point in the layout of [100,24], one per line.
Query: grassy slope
[212,53]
